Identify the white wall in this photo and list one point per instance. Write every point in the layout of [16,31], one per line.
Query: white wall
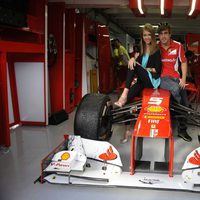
[30,90]
[84,65]
[10,105]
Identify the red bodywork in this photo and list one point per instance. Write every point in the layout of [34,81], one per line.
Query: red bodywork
[154,117]
[154,121]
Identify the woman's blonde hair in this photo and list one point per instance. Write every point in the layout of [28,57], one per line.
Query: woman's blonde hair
[153,45]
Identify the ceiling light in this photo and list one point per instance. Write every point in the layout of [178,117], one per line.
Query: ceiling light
[192,7]
[14,126]
[154,26]
[139,3]
[166,8]
[137,7]
[162,5]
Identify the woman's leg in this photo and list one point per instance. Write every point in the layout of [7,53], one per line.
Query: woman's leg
[143,76]
[129,78]
[123,98]
[143,82]
[134,91]
[127,133]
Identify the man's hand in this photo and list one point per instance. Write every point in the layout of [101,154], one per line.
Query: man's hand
[184,74]
[182,83]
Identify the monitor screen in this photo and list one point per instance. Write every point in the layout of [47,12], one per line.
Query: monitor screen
[13,13]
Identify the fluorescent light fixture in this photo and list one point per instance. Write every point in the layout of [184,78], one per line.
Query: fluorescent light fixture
[192,7]
[154,26]
[162,7]
[14,126]
[139,3]
[77,11]
[102,26]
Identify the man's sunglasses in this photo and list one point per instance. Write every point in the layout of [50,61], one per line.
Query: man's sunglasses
[163,24]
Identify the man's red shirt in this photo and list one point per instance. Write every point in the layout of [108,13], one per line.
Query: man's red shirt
[170,59]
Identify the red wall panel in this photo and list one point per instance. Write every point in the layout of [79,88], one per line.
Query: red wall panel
[17,41]
[78,58]
[69,82]
[55,27]
[4,115]
[36,16]
[70,20]
[104,58]
[190,38]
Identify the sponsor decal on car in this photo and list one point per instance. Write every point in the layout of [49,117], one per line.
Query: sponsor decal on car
[155,109]
[153,132]
[65,156]
[154,117]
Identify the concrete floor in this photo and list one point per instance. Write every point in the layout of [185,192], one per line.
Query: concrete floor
[20,166]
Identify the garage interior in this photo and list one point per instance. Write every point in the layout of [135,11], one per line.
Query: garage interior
[37,86]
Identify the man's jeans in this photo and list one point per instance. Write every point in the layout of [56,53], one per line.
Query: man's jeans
[172,84]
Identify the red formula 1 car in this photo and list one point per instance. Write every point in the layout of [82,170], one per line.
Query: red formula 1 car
[95,114]
[87,158]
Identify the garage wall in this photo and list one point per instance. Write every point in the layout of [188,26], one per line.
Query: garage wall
[31,92]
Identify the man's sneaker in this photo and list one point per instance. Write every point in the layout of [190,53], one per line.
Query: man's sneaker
[184,135]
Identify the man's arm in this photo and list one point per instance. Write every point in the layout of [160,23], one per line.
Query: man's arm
[184,74]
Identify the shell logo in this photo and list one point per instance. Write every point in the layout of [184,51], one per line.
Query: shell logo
[65,156]
[195,160]
[155,109]
[108,155]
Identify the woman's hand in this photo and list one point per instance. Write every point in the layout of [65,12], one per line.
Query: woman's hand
[132,62]
[153,70]
[136,55]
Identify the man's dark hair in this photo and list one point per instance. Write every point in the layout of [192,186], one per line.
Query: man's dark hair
[189,54]
[117,40]
[164,26]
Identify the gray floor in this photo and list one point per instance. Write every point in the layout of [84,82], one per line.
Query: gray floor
[20,166]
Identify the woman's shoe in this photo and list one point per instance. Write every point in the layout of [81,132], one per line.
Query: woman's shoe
[121,102]
[123,141]
[126,138]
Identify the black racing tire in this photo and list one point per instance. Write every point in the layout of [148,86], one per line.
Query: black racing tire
[92,119]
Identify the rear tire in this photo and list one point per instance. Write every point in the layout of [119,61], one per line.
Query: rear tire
[92,120]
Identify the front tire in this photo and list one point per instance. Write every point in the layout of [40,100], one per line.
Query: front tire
[92,119]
